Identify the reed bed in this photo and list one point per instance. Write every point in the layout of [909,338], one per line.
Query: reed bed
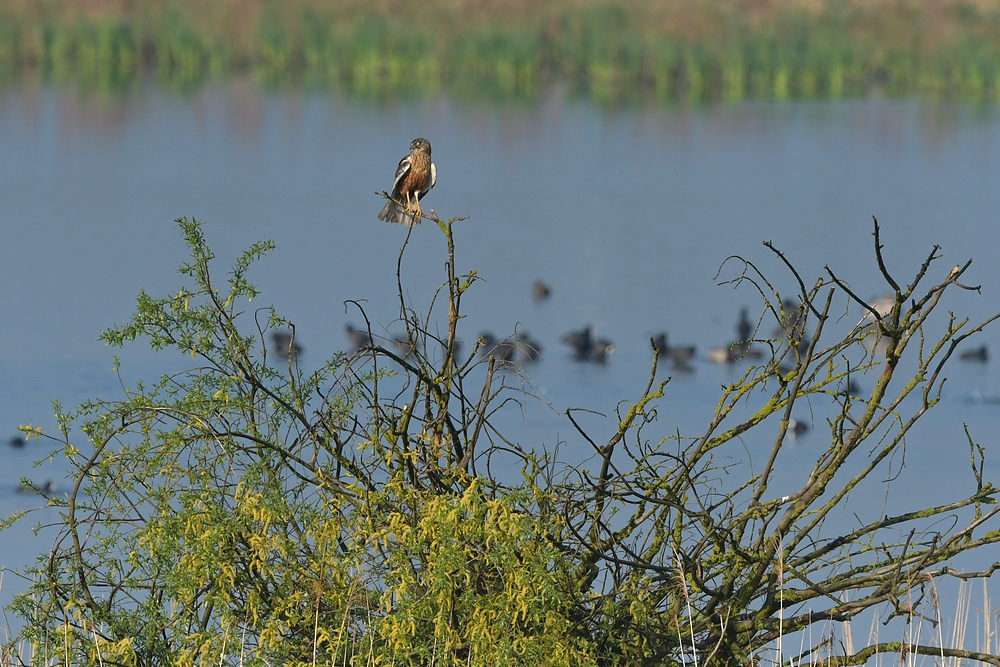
[689,49]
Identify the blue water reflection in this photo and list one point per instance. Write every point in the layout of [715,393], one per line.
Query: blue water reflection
[627,215]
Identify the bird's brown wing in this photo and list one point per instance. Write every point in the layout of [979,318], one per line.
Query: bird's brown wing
[394,210]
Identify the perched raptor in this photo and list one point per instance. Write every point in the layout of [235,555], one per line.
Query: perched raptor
[415,176]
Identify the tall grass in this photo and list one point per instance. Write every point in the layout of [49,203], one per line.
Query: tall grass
[686,49]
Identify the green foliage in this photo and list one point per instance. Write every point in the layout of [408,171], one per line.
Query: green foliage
[685,50]
[487,588]
[242,507]
[246,512]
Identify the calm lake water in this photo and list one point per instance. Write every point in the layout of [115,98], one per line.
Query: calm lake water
[626,213]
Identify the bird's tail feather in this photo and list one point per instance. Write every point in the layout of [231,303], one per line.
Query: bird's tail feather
[393,212]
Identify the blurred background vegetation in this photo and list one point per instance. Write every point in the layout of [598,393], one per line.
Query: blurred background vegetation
[683,49]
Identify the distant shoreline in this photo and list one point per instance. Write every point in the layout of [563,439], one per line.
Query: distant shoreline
[685,50]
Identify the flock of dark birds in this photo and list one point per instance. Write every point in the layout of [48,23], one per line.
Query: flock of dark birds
[46,488]
[585,346]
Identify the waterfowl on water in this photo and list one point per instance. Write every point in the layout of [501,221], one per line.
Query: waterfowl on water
[528,349]
[581,343]
[601,349]
[980,354]
[679,355]
[504,351]
[403,344]
[284,345]
[540,291]
[357,338]
[796,428]
[47,488]
[744,328]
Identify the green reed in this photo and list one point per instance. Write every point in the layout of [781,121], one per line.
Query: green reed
[610,52]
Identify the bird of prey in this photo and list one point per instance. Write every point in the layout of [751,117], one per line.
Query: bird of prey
[415,176]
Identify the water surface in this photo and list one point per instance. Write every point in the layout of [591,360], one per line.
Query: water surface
[627,214]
